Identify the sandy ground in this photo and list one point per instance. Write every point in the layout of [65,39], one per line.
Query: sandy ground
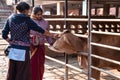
[55,71]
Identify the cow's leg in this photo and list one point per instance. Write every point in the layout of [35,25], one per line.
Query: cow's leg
[95,73]
[79,60]
[83,61]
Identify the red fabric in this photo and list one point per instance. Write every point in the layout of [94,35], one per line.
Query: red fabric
[37,62]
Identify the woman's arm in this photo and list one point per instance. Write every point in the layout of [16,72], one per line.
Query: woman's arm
[5,31]
[37,28]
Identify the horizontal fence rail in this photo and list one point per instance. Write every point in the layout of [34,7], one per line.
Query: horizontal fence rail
[106,59]
[105,20]
[66,19]
[105,46]
[106,71]
[105,33]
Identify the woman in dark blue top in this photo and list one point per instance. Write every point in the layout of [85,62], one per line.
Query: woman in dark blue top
[18,25]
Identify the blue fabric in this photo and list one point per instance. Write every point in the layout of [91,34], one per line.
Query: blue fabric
[17,54]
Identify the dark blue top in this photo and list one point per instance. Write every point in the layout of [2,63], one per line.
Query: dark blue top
[19,26]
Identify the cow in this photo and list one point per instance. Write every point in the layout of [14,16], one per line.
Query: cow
[69,43]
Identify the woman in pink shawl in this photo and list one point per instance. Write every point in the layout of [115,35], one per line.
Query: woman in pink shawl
[37,46]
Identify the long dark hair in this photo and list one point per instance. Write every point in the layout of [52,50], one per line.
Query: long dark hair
[35,10]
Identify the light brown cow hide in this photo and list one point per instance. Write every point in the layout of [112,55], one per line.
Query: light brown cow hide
[68,43]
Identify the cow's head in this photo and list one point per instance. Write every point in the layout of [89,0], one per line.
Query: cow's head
[68,43]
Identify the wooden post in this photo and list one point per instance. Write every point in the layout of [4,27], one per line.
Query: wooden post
[106,9]
[84,8]
[117,10]
[59,8]
[96,10]
[16,1]
[33,3]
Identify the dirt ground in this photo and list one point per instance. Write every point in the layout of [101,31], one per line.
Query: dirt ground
[55,71]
